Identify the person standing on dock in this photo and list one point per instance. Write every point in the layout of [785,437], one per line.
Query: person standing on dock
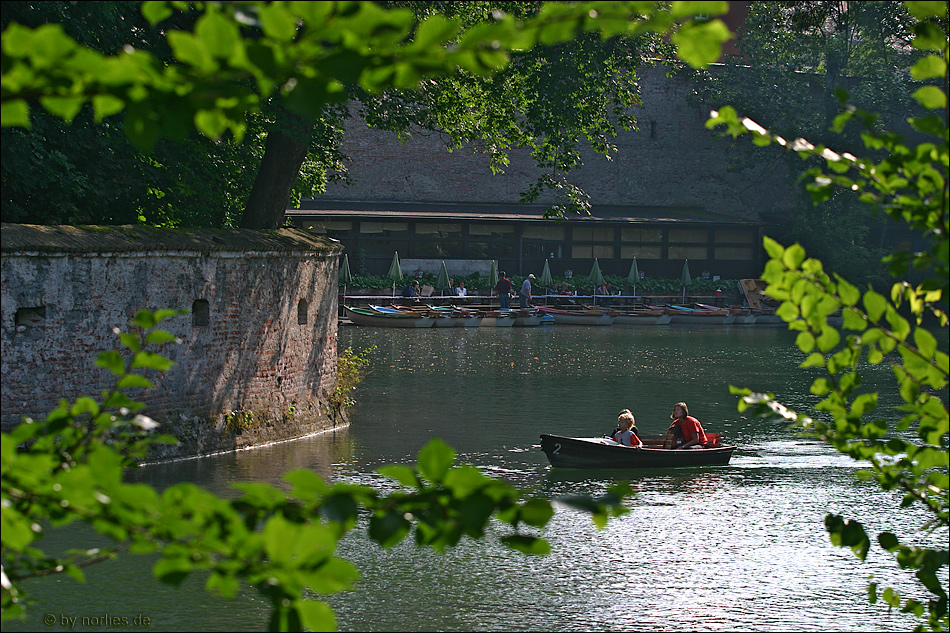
[524,295]
[503,288]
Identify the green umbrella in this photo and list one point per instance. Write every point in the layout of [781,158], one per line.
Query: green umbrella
[546,279]
[492,278]
[443,281]
[596,277]
[395,272]
[686,278]
[345,275]
[633,276]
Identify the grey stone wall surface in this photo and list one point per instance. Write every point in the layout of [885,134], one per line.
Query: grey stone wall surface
[672,160]
[261,368]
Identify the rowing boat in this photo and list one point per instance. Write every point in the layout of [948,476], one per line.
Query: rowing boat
[602,452]
[366,316]
[579,317]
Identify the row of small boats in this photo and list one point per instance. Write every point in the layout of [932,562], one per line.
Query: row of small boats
[443,316]
[695,314]
[424,316]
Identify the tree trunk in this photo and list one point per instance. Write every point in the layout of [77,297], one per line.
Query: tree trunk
[284,153]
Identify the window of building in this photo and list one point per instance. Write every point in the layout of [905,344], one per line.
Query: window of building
[737,252]
[200,313]
[689,235]
[593,234]
[441,248]
[641,252]
[541,232]
[688,252]
[489,231]
[490,250]
[385,229]
[636,234]
[301,312]
[438,231]
[734,236]
[590,251]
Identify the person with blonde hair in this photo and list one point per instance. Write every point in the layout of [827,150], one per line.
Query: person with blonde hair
[626,433]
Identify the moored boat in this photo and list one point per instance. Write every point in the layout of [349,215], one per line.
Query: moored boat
[367,316]
[700,316]
[526,317]
[602,452]
[579,317]
[497,318]
[641,316]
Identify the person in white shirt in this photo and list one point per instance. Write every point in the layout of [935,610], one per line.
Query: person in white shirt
[524,295]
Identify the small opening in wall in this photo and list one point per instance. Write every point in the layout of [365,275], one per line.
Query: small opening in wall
[652,129]
[200,313]
[30,319]
[301,312]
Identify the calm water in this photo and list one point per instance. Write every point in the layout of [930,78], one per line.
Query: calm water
[741,547]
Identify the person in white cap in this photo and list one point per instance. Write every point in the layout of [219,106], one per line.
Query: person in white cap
[524,295]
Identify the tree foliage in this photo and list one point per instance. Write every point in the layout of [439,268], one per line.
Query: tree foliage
[794,57]
[909,182]
[538,75]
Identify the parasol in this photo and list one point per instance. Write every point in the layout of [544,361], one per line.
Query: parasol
[633,276]
[686,278]
[492,279]
[345,275]
[443,281]
[596,277]
[395,272]
[546,280]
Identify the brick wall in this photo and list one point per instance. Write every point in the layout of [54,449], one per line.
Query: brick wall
[253,373]
[672,160]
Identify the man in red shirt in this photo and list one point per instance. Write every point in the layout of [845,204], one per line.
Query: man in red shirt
[693,433]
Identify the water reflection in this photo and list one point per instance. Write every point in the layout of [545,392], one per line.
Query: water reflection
[737,548]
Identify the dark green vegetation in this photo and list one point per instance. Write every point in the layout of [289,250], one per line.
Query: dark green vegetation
[794,59]
[286,93]
[224,74]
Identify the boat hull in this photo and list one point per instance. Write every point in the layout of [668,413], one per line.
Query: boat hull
[563,317]
[365,317]
[630,318]
[592,452]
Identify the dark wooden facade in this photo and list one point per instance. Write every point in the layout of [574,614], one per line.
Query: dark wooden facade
[520,238]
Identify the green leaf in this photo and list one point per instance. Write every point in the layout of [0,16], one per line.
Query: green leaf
[924,9]
[700,43]
[307,485]
[874,305]
[15,113]
[148,360]
[389,528]
[930,97]
[277,22]
[155,12]
[130,381]
[929,36]
[401,473]
[527,544]
[112,361]
[314,615]
[929,67]
[218,34]
[435,459]
[65,108]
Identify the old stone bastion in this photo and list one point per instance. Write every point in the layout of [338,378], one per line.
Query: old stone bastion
[257,360]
